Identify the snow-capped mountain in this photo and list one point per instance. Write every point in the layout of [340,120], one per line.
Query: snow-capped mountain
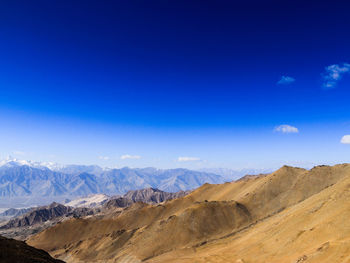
[11,162]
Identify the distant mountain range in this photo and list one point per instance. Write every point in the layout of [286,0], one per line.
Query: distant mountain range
[33,180]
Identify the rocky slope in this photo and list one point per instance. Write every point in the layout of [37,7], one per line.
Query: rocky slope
[40,218]
[39,215]
[291,215]
[13,251]
[152,195]
[148,195]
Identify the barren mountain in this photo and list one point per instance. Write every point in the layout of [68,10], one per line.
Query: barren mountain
[152,195]
[39,215]
[148,195]
[40,218]
[291,215]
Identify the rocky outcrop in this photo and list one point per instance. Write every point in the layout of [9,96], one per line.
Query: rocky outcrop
[153,195]
[118,202]
[147,195]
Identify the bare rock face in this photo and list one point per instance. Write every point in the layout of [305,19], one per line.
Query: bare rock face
[118,202]
[39,215]
[152,195]
[147,195]
[14,251]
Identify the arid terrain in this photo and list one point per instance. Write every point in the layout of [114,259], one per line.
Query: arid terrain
[14,251]
[291,215]
[22,223]
[175,131]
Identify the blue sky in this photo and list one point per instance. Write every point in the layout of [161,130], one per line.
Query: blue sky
[175,83]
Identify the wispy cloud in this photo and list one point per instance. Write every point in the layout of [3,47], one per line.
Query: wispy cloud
[188,159]
[333,74]
[105,158]
[128,156]
[285,80]
[345,139]
[285,128]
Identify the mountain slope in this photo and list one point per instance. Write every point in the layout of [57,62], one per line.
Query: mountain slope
[13,251]
[314,230]
[39,218]
[212,217]
[38,215]
[152,195]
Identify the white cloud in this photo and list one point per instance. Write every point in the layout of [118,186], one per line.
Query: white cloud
[333,74]
[345,139]
[286,129]
[285,80]
[105,158]
[188,159]
[127,156]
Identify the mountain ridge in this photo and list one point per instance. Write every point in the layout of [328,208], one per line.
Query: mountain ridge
[216,214]
[22,180]
[36,219]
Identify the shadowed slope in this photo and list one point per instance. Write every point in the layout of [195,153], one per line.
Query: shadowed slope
[13,251]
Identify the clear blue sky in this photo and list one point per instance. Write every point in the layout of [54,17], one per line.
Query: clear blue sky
[208,81]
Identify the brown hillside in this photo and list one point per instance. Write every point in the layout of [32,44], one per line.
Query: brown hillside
[210,221]
[14,251]
[314,230]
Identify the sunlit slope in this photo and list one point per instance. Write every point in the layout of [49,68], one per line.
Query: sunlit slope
[314,230]
[213,214]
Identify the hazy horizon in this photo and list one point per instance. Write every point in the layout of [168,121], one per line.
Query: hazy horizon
[48,164]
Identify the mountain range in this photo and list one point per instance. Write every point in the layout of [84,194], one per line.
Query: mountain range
[290,215]
[21,180]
